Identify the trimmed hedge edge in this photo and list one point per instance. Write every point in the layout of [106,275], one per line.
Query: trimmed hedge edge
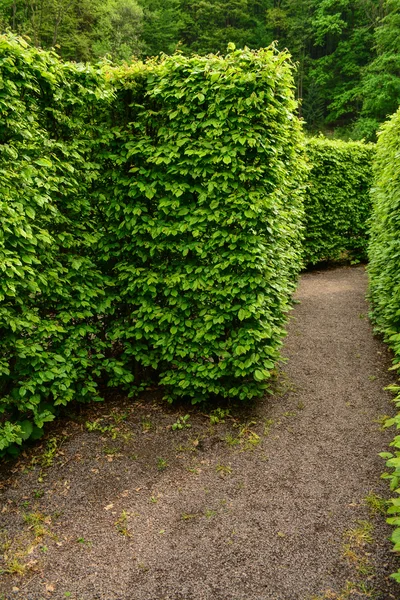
[384,287]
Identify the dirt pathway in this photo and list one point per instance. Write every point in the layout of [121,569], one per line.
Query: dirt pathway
[280,501]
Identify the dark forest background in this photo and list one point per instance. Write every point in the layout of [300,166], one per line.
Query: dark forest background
[347,51]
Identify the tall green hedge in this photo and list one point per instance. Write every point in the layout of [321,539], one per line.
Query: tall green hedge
[384,282]
[151,227]
[52,292]
[384,249]
[203,218]
[337,202]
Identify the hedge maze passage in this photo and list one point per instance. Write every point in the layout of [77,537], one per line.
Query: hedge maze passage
[165,247]
[155,218]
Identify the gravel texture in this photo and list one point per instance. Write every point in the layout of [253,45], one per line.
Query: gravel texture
[278,502]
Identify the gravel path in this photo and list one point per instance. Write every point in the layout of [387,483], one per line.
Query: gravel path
[277,501]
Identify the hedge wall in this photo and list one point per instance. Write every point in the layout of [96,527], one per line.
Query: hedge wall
[51,290]
[204,218]
[384,249]
[384,281]
[151,227]
[337,202]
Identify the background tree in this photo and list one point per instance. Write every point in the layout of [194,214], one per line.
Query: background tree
[162,22]
[118,30]
[80,30]
[209,25]
[380,84]
[347,51]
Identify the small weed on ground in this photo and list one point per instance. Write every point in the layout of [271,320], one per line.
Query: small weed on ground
[96,425]
[46,458]
[267,426]
[381,420]
[359,561]
[232,440]
[223,470]
[181,423]
[110,451]
[249,438]
[16,551]
[189,516]
[121,524]
[37,523]
[355,551]
[360,535]
[84,542]
[246,438]
[118,417]
[349,591]
[252,441]
[289,414]
[49,453]
[162,464]
[218,415]
[146,424]
[190,448]
[376,504]
[14,566]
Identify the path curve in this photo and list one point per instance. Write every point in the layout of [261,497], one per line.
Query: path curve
[280,502]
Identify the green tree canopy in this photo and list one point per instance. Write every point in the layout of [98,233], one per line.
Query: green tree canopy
[347,51]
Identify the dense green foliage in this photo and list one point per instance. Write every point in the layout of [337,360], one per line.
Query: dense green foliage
[78,29]
[379,87]
[348,52]
[51,292]
[337,202]
[203,218]
[384,269]
[384,277]
[151,227]
[393,475]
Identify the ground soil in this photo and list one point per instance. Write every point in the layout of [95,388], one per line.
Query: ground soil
[278,502]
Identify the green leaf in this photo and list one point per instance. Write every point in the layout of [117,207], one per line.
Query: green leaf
[258,375]
[27,429]
[43,162]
